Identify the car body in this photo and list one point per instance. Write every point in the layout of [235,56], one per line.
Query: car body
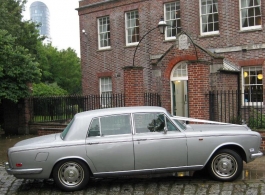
[133,140]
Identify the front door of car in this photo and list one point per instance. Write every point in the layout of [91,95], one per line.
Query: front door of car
[109,143]
[155,149]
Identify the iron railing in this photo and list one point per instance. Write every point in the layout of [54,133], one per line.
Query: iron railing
[235,107]
[63,108]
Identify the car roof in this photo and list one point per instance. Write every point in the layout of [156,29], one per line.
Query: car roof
[120,110]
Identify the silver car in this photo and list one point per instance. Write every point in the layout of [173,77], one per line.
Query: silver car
[133,140]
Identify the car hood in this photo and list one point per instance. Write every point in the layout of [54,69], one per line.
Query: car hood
[211,127]
[41,140]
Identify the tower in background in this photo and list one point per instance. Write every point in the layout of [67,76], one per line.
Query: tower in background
[39,13]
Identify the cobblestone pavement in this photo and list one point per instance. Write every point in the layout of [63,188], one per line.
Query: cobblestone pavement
[251,182]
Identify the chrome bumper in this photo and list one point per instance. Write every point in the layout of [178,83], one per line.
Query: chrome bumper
[11,171]
[256,155]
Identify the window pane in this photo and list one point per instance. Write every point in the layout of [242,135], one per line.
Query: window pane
[149,122]
[104,32]
[132,22]
[252,84]
[170,126]
[250,13]
[244,3]
[115,125]
[172,18]
[94,128]
[209,16]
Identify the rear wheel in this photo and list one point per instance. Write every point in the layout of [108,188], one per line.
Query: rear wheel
[225,165]
[71,175]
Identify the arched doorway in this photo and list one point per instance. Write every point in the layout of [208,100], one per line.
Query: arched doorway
[179,89]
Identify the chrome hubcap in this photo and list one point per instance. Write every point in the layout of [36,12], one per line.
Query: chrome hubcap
[224,165]
[71,174]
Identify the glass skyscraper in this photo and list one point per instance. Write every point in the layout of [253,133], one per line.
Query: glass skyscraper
[40,14]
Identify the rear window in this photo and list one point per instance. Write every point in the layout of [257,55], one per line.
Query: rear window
[65,131]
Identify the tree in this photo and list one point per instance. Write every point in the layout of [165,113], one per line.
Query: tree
[43,89]
[18,43]
[61,67]
[17,69]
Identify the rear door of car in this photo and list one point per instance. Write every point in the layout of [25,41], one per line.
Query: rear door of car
[155,149]
[109,143]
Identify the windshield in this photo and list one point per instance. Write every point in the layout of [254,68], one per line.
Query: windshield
[65,131]
[180,124]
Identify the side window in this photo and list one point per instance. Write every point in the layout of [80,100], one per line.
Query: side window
[94,128]
[149,122]
[170,126]
[115,125]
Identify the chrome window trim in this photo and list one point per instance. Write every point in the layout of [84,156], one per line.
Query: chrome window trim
[148,171]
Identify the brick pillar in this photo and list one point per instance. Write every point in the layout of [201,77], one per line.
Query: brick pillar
[24,116]
[133,86]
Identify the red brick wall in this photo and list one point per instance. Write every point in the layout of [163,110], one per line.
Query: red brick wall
[198,86]
[133,86]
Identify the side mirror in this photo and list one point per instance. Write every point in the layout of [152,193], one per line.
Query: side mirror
[165,130]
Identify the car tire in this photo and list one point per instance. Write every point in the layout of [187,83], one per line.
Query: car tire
[225,165]
[71,175]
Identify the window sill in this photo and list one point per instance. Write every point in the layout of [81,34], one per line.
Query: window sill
[105,49]
[209,35]
[128,46]
[169,40]
[250,30]
[254,104]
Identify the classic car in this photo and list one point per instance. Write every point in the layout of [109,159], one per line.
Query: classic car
[133,140]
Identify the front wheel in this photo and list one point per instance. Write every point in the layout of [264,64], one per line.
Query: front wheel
[225,165]
[71,175]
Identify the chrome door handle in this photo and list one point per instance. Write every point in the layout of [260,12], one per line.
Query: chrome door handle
[141,139]
[93,143]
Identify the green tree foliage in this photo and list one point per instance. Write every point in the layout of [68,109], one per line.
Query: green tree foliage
[61,67]
[21,48]
[17,68]
[18,43]
[43,89]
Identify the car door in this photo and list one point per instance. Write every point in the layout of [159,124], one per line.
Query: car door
[155,149]
[109,143]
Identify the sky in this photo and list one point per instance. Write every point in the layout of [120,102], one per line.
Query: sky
[64,23]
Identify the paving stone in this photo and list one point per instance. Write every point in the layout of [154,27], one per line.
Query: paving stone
[166,185]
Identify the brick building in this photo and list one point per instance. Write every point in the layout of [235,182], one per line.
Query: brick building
[210,45]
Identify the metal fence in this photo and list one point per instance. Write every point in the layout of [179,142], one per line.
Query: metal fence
[237,107]
[63,108]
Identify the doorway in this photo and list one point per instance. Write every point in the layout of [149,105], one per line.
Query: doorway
[179,90]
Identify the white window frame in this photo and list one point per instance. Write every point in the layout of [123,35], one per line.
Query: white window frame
[105,87]
[169,19]
[248,72]
[103,29]
[132,26]
[214,32]
[250,7]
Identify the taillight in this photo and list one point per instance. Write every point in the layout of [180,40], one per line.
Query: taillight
[18,164]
